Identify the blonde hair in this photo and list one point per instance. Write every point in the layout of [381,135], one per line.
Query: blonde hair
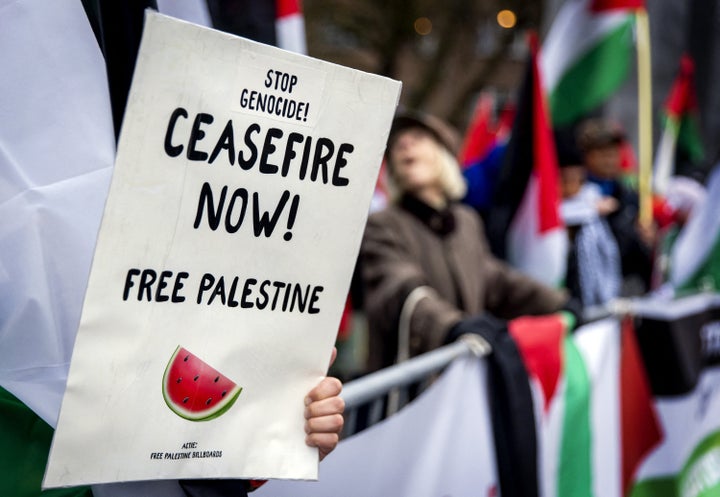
[450,178]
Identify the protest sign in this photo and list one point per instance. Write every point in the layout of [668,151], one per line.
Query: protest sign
[240,191]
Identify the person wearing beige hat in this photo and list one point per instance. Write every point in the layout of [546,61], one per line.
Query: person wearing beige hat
[425,264]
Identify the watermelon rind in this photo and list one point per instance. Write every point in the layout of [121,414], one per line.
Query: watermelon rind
[218,410]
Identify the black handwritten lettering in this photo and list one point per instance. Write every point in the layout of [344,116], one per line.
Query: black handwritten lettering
[214,213]
[270,151]
[259,294]
[242,194]
[250,161]
[226,142]
[341,162]
[150,284]
[170,149]
[196,135]
[264,223]
[278,80]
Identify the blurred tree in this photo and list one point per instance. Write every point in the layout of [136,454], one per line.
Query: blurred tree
[445,53]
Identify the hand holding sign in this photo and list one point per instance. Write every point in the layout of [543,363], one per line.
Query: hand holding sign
[229,238]
[323,414]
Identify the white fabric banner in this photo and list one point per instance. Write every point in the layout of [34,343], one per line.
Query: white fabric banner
[56,151]
[439,444]
[688,459]
[240,190]
[195,11]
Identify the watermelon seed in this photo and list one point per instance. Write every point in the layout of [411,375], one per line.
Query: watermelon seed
[186,358]
[216,379]
[196,377]
[207,402]
[185,400]
[223,393]
[179,380]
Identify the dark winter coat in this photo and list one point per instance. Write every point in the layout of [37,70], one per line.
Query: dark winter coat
[435,268]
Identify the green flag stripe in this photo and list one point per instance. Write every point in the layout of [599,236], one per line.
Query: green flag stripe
[689,138]
[575,465]
[594,77]
[24,445]
[655,487]
[700,477]
[706,276]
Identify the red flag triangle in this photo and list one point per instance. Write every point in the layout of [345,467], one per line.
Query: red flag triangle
[682,96]
[604,5]
[287,7]
[640,427]
[546,162]
[539,339]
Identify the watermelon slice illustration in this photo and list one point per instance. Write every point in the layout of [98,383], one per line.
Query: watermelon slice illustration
[194,390]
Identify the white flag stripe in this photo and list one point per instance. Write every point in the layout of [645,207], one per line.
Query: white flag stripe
[665,159]
[195,11]
[290,31]
[699,235]
[549,426]
[599,344]
[540,255]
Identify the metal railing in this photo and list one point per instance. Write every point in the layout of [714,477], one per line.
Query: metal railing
[383,392]
[377,395]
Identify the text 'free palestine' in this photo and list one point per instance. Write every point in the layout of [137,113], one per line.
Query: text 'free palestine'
[245,293]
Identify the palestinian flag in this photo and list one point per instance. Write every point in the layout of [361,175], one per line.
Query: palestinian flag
[594,413]
[524,225]
[695,257]
[279,23]
[680,343]
[687,464]
[290,26]
[680,142]
[587,55]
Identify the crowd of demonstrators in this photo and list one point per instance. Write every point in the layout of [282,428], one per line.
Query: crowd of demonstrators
[425,268]
[425,263]
[612,254]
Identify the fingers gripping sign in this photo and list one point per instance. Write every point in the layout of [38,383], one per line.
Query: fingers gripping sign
[324,414]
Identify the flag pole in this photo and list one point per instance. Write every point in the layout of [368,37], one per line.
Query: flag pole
[644,116]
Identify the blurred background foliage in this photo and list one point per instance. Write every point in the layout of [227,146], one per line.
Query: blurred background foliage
[447,52]
[444,52]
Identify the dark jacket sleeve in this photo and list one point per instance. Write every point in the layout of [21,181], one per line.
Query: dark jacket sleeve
[390,273]
[214,488]
[511,294]
[635,255]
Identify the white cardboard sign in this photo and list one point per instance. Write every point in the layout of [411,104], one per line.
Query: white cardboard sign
[239,196]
